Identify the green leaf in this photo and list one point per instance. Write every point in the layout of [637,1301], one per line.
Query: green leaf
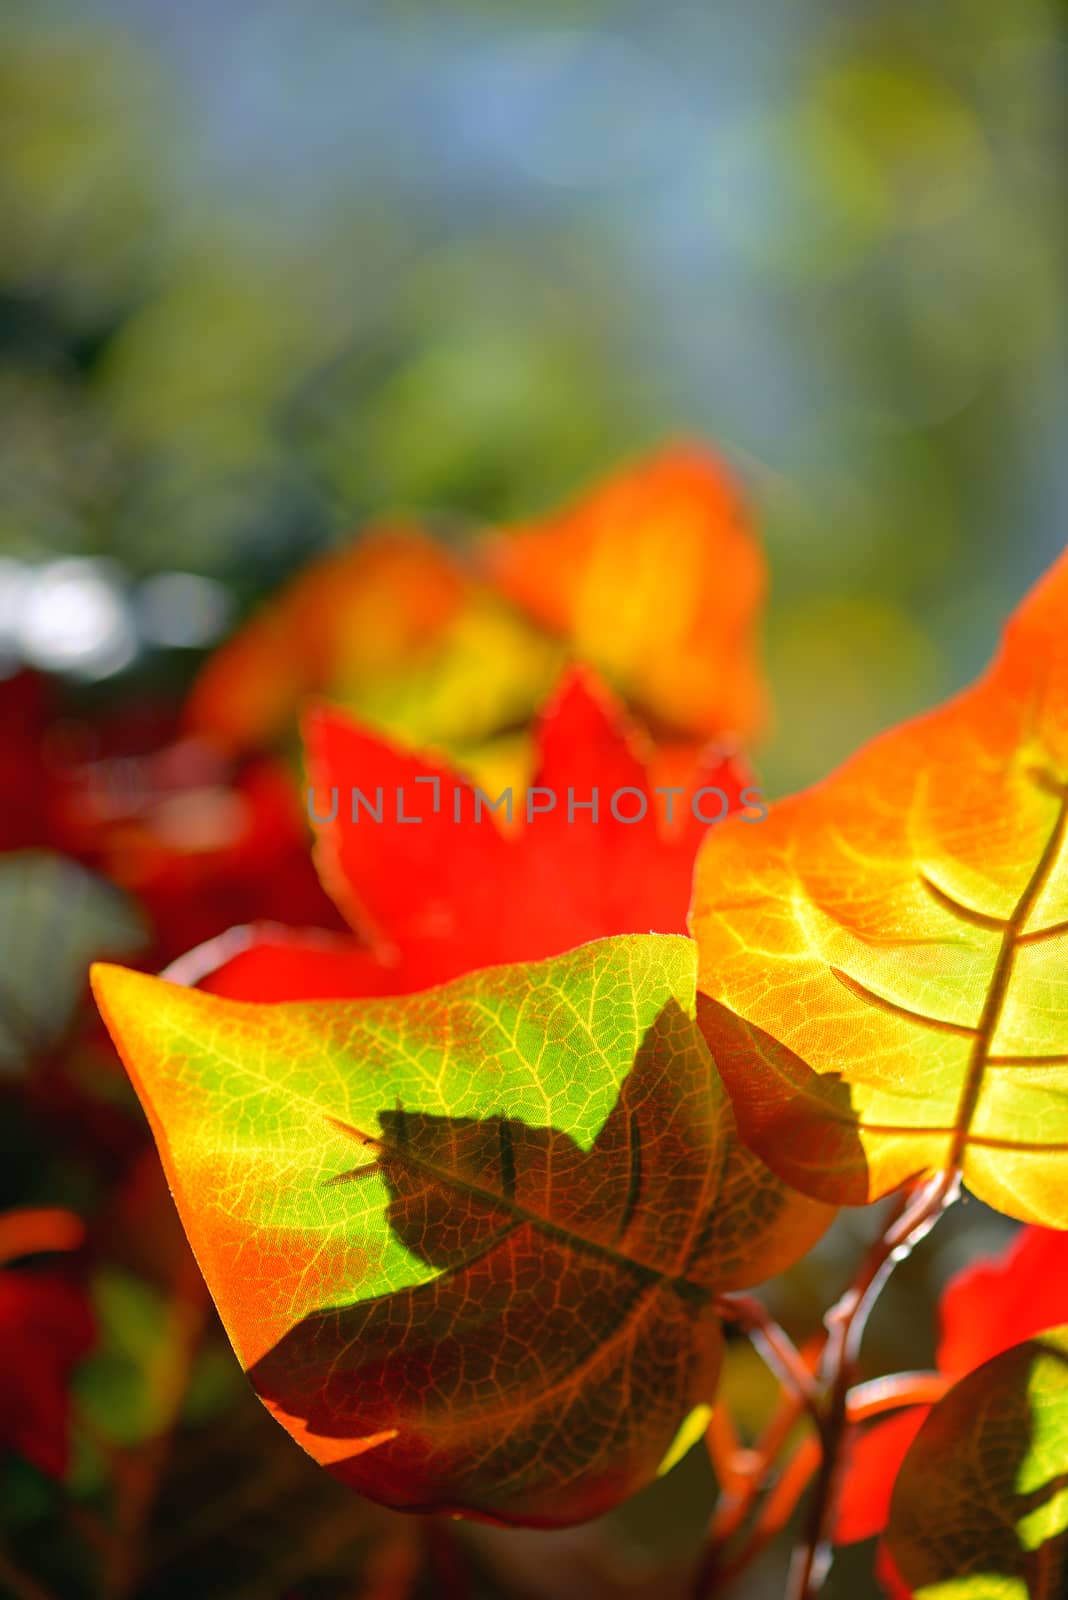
[980,1507]
[467,1242]
[55,918]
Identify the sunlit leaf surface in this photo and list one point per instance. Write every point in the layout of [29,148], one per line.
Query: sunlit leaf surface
[466,1242]
[885,956]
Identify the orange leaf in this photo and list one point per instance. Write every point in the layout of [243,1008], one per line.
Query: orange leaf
[354,616]
[884,956]
[654,577]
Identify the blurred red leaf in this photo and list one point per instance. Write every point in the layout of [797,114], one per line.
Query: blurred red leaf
[24,794]
[202,843]
[46,1327]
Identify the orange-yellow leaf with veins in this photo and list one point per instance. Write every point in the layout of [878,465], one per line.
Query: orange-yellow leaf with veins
[885,959]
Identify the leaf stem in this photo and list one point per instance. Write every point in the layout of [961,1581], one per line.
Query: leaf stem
[749,1474]
[777,1510]
[914,1215]
[774,1345]
[892,1393]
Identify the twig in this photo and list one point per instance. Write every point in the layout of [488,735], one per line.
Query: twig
[776,1512]
[752,1470]
[879,1395]
[725,1451]
[774,1345]
[915,1215]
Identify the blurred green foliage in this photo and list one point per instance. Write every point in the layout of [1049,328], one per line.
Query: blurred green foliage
[269,271]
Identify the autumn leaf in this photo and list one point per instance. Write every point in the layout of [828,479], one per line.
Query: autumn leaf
[467,1243]
[980,1508]
[591,851]
[352,618]
[884,957]
[653,577]
[461,888]
[988,1307]
[457,652]
[202,842]
[396,629]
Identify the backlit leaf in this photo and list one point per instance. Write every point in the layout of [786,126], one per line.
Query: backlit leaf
[458,653]
[460,890]
[439,877]
[980,1509]
[885,956]
[466,1242]
[588,851]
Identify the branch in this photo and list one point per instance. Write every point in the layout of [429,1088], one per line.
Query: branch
[774,1345]
[872,1399]
[914,1216]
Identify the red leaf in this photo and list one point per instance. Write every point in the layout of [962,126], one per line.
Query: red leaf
[201,843]
[45,1330]
[874,1459]
[23,799]
[452,893]
[999,1302]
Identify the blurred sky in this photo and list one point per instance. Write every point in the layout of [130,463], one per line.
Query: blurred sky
[270,269]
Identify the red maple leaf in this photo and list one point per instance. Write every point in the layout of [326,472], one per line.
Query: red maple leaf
[461,889]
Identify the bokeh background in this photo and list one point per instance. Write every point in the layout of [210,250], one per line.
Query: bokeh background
[268,270]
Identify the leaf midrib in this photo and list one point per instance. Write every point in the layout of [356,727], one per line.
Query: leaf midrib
[999,983]
[684,1286]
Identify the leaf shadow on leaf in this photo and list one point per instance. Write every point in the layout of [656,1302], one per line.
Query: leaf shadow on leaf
[541,1375]
[957,1510]
[822,1153]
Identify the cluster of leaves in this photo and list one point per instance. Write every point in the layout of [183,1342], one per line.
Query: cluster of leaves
[480,1131]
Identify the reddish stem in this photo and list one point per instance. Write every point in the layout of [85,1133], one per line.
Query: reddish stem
[913,1217]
